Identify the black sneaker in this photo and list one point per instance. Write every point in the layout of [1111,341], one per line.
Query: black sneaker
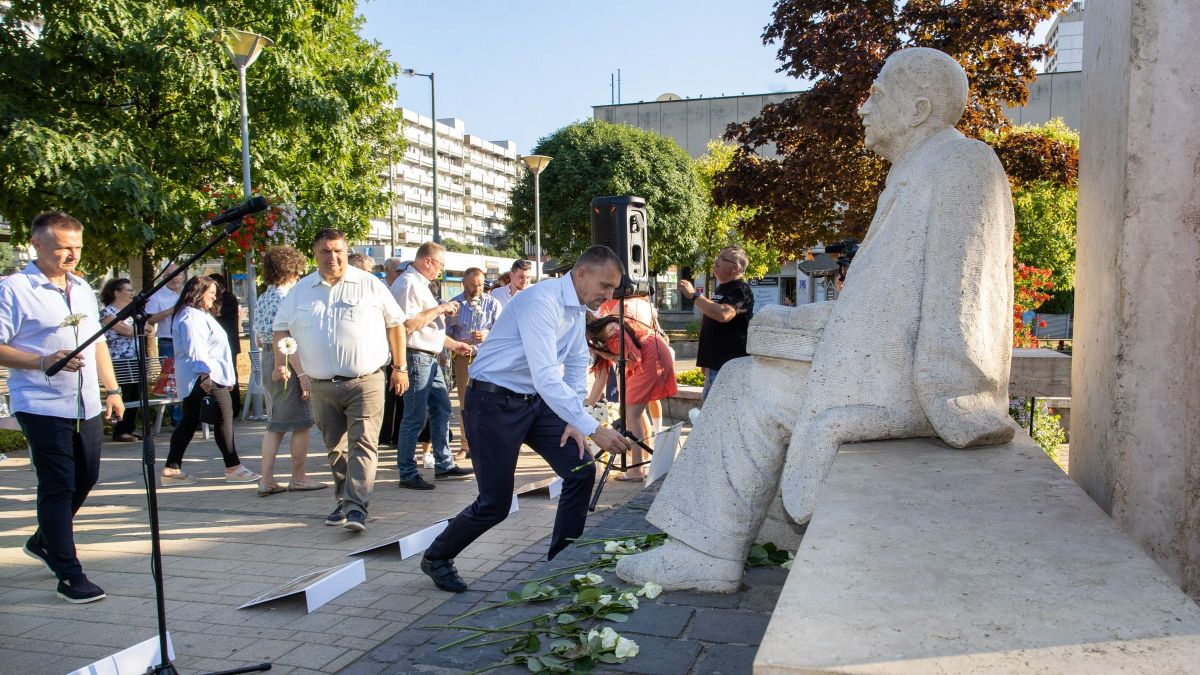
[38,552]
[455,472]
[337,517]
[356,521]
[80,591]
[444,575]
[416,483]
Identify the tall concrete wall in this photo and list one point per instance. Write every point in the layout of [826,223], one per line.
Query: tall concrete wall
[691,122]
[1135,436]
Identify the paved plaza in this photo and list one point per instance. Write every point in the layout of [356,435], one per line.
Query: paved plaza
[222,546]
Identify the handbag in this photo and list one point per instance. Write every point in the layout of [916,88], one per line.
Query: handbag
[209,413]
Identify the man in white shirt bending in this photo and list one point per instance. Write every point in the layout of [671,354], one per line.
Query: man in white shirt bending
[518,281]
[160,308]
[428,394]
[527,386]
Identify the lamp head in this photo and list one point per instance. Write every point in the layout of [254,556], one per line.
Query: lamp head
[243,46]
[536,162]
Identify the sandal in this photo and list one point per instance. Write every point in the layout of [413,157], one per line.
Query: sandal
[624,477]
[241,475]
[177,479]
[306,484]
[265,490]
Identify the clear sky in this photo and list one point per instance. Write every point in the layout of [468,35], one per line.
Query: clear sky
[520,69]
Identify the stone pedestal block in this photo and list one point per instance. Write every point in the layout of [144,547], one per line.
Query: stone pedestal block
[1135,437]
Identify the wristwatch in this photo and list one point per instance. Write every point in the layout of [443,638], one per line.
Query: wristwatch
[112,392]
[696,295]
[399,370]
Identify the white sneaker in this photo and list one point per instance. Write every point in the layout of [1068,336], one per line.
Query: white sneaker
[241,475]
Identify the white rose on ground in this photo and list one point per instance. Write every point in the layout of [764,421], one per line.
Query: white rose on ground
[625,648]
[609,638]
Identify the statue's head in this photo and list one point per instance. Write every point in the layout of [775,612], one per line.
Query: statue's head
[919,92]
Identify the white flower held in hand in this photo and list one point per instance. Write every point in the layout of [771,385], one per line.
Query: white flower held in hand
[287,347]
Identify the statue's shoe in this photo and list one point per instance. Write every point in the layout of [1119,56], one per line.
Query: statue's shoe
[678,567]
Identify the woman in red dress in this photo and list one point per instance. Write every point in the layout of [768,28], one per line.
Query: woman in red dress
[649,372]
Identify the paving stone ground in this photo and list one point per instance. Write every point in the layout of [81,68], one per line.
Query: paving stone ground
[676,633]
[223,545]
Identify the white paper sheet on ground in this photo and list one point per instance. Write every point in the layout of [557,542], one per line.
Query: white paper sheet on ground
[409,544]
[552,485]
[135,660]
[318,587]
[513,509]
[666,446]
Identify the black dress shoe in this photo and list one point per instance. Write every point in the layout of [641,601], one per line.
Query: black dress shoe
[416,483]
[455,472]
[443,574]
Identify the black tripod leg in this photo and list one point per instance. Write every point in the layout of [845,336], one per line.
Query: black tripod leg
[600,485]
[248,669]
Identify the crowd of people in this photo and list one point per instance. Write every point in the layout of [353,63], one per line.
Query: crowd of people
[367,361]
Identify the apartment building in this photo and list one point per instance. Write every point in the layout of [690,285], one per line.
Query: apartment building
[475,178]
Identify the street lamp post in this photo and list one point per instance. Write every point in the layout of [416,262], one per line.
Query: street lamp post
[243,48]
[536,164]
[409,72]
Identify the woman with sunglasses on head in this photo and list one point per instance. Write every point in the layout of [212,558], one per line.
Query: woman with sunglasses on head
[203,367]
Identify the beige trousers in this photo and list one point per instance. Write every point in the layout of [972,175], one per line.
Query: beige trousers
[349,414]
[460,385]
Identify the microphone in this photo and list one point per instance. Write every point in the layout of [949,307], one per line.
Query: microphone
[236,213]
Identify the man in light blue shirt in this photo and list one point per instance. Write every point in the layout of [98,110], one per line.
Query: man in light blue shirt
[477,313]
[527,386]
[46,310]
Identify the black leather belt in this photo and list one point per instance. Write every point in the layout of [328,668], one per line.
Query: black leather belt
[342,378]
[497,389]
[422,351]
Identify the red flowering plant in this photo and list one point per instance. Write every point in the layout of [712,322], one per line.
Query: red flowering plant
[1030,290]
[276,225]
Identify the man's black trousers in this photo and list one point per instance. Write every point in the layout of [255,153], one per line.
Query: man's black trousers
[501,423]
[67,463]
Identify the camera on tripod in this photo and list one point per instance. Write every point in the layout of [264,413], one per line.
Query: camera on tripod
[846,249]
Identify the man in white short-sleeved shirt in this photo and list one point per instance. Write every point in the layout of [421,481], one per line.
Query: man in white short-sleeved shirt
[347,327]
[518,280]
[428,395]
[46,311]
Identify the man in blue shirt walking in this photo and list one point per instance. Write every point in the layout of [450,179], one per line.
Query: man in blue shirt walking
[527,386]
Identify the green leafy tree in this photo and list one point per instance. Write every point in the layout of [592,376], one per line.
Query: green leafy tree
[824,183]
[457,246]
[596,159]
[1042,162]
[721,223]
[126,114]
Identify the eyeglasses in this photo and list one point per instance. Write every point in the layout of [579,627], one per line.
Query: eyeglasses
[731,262]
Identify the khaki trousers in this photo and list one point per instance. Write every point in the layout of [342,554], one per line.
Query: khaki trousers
[460,385]
[349,413]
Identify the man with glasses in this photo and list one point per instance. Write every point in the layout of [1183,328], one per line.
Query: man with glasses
[428,394]
[518,281]
[726,316]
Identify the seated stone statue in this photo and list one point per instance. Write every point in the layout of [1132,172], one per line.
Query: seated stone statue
[918,343]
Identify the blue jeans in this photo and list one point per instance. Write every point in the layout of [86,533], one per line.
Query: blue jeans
[426,395]
[709,379]
[166,347]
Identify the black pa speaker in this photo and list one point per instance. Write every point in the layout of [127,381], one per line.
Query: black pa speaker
[620,224]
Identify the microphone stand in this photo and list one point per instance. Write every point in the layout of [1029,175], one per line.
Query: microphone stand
[626,290]
[137,310]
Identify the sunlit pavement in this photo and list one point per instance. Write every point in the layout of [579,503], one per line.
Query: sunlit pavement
[222,546]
